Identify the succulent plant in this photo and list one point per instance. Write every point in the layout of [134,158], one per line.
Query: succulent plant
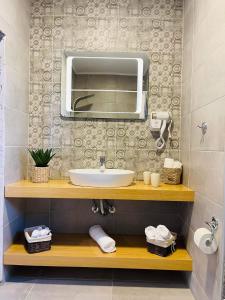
[41,157]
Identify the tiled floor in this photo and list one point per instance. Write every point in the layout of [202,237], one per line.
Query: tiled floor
[94,284]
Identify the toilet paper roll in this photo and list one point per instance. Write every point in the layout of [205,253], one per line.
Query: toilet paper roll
[202,239]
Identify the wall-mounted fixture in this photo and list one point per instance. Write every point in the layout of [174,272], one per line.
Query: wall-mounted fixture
[203,127]
[206,239]
[104,85]
[104,207]
[213,226]
[160,122]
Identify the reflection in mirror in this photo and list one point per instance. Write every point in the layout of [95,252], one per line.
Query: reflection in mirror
[100,86]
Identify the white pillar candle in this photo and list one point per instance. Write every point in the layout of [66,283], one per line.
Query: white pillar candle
[155,179]
[147,177]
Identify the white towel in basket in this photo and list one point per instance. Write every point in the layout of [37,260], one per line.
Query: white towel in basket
[106,243]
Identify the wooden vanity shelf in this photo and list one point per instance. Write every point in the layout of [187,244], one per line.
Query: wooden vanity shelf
[74,250]
[65,190]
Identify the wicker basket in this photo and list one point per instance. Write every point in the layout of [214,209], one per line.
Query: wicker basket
[162,248]
[37,245]
[171,175]
[161,251]
[40,175]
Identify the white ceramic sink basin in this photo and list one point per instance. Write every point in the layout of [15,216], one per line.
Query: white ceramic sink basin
[101,178]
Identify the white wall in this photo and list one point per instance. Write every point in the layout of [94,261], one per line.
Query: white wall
[15,23]
[204,100]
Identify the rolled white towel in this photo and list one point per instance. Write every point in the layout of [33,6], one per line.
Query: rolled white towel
[152,234]
[164,232]
[45,231]
[35,233]
[40,232]
[106,243]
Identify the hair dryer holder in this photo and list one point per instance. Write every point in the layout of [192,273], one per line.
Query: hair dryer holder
[158,123]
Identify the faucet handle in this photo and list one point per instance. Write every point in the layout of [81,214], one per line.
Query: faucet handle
[102,160]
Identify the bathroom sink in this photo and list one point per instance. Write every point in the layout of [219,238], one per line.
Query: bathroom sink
[101,178]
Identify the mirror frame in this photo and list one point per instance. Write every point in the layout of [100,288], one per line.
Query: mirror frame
[142,96]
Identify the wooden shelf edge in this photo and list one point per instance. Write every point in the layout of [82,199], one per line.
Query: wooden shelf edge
[62,189]
[72,250]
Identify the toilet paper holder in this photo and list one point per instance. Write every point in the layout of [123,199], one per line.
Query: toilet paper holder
[213,226]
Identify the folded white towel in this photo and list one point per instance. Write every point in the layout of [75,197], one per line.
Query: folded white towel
[44,232]
[164,232]
[40,232]
[172,164]
[177,164]
[106,243]
[35,234]
[168,163]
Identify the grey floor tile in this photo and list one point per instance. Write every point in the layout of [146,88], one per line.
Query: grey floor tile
[69,289]
[16,289]
[150,293]
[176,294]
[135,293]
[94,284]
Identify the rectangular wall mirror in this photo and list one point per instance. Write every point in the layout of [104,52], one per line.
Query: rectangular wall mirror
[104,85]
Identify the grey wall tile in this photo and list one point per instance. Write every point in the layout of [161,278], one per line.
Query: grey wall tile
[16,124]
[15,23]
[207,174]
[15,164]
[185,147]
[11,229]
[214,113]
[13,209]
[206,86]
[203,94]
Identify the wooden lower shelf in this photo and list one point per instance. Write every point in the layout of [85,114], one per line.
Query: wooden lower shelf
[63,189]
[70,250]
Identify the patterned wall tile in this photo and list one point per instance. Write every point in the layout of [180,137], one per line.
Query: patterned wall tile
[41,32]
[41,7]
[154,27]
[41,67]
[154,9]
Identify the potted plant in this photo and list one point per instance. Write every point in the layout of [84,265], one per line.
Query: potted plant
[40,172]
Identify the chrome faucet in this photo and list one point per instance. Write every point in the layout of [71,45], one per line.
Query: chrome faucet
[102,162]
